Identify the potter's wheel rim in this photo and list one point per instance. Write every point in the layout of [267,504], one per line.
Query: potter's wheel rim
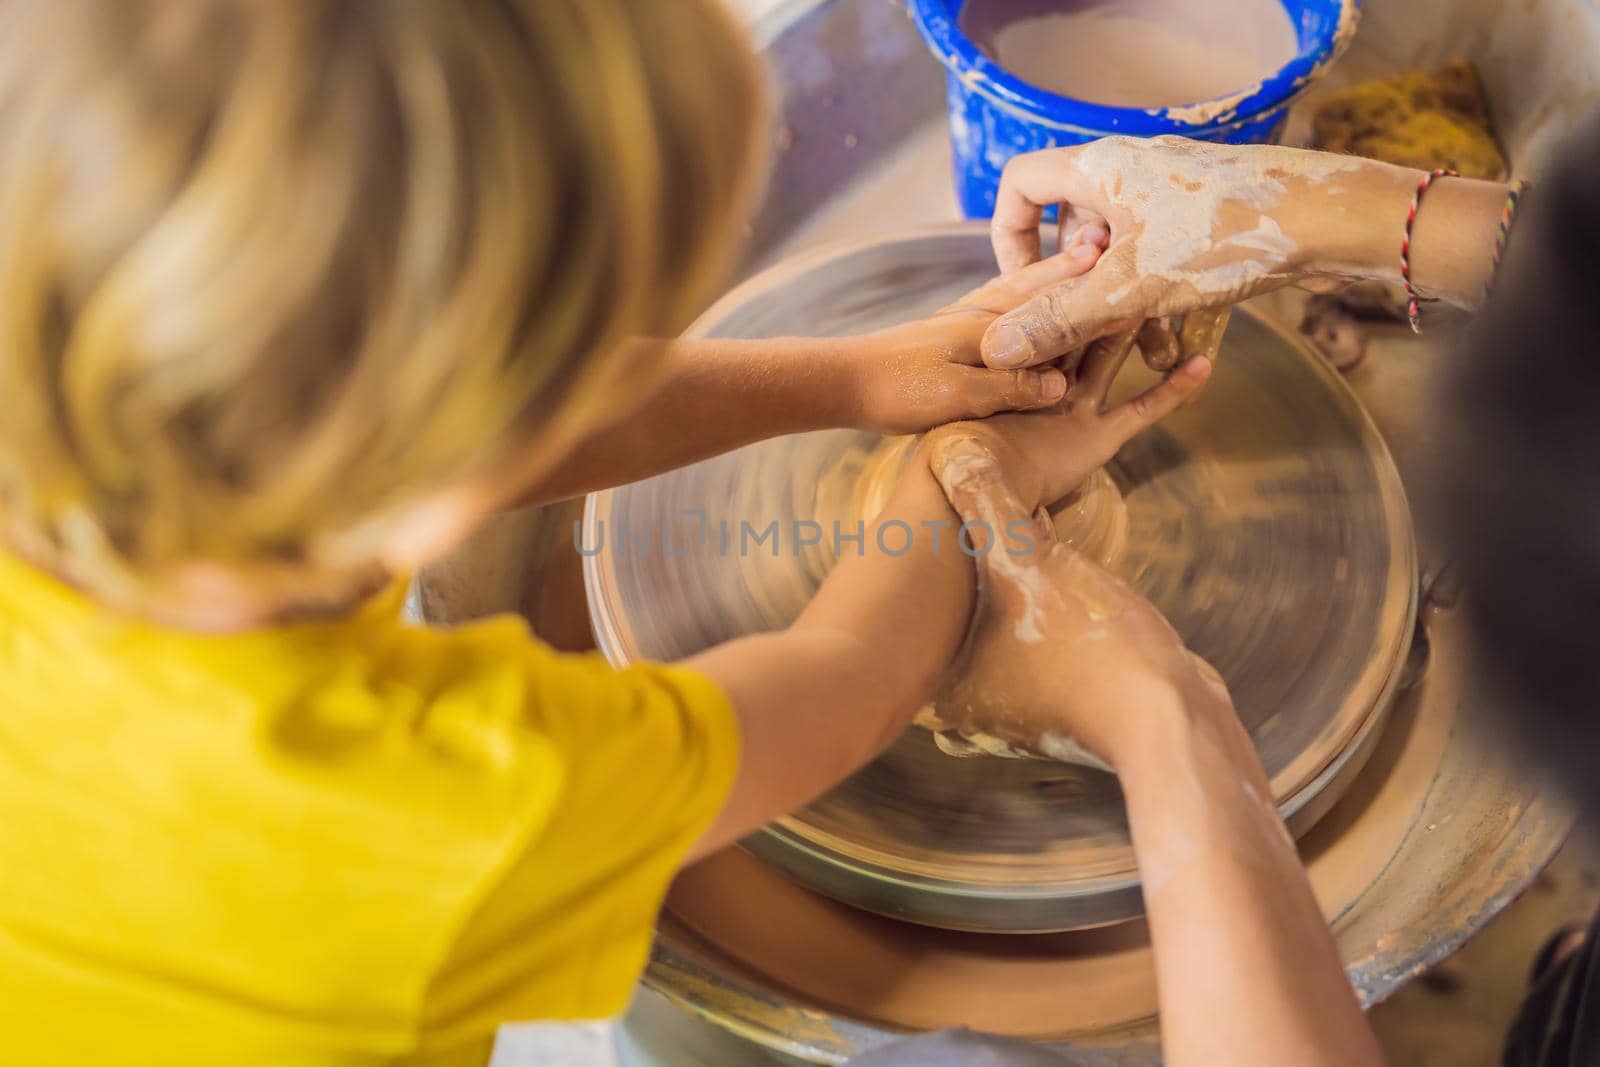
[1042,908]
[1415,905]
[1108,892]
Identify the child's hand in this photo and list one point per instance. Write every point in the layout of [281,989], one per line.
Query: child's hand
[1044,455]
[929,372]
[1060,650]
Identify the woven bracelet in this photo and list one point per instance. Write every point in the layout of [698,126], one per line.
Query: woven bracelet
[1413,298]
[1508,215]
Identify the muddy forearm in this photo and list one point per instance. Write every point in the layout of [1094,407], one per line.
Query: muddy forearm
[1354,229]
[1247,971]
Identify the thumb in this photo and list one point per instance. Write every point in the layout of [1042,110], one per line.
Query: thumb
[976,486]
[987,392]
[1059,319]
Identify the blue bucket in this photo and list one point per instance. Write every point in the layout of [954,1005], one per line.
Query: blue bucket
[995,115]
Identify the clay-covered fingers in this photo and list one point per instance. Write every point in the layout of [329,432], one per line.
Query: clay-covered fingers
[1161,399]
[1029,184]
[1100,365]
[1079,226]
[1158,344]
[1069,315]
[974,481]
[984,392]
[1164,343]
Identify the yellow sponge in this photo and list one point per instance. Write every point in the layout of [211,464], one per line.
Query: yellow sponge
[1415,119]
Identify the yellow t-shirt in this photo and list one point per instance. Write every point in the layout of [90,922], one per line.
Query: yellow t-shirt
[344,842]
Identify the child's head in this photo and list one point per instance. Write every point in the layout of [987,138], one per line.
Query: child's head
[275,274]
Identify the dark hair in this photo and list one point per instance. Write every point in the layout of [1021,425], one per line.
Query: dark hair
[1520,483]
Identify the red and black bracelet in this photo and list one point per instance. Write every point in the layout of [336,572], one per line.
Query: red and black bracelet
[1413,298]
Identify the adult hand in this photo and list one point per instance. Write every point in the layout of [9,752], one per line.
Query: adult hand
[922,374]
[1061,652]
[1192,225]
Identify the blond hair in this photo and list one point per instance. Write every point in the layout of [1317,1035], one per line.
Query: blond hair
[272,269]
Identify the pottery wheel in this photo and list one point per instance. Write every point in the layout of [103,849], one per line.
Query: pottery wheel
[1266,521]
